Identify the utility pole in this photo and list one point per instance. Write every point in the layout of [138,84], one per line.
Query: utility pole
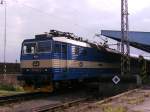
[125,46]
[3,2]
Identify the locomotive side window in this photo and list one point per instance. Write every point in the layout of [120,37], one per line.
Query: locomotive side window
[64,49]
[57,48]
[76,50]
[44,46]
[29,48]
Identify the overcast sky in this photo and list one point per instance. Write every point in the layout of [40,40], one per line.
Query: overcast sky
[25,18]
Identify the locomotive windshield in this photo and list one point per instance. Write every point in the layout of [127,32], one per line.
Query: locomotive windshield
[29,48]
[36,47]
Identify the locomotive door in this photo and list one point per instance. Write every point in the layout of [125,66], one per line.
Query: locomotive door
[64,58]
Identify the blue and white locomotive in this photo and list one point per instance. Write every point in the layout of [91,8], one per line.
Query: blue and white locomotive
[60,56]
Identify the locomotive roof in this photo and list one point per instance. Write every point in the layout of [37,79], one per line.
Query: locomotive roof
[67,37]
[61,39]
[78,43]
[60,36]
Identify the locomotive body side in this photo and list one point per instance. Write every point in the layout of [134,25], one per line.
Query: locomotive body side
[49,60]
[80,61]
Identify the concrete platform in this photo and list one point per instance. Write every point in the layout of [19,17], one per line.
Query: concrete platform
[137,100]
[145,107]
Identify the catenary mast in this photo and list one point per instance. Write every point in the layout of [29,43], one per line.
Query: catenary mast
[125,46]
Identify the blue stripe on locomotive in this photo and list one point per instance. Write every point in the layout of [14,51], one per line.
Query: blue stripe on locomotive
[75,73]
[81,73]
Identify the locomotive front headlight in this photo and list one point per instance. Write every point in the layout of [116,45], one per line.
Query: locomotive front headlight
[27,70]
[46,70]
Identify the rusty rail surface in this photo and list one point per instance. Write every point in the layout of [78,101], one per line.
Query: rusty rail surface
[57,107]
[21,97]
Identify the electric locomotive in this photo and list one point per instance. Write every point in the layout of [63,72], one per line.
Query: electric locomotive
[56,57]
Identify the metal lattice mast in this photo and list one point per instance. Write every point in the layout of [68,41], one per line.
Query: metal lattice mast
[125,47]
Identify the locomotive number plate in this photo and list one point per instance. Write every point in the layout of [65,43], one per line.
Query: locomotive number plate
[36,63]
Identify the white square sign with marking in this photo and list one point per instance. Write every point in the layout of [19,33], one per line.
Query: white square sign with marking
[116,79]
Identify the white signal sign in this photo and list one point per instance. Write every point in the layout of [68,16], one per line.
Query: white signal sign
[116,79]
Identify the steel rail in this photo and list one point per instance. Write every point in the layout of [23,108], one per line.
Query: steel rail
[21,97]
[57,107]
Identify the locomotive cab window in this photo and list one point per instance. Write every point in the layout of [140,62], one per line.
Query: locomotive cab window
[44,46]
[29,48]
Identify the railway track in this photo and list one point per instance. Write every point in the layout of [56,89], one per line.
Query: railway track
[21,97]
[57,107]
[55,102]
[30,96]
[80,104]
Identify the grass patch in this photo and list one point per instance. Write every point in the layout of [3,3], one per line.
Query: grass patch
[135,100]
[11,88]
[110,108]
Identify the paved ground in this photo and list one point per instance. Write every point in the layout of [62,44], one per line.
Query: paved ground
[145,107]
[137,101]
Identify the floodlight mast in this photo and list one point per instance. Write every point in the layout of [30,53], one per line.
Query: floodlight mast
[3,2]
[125,46]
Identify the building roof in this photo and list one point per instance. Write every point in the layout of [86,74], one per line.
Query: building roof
[140,40]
